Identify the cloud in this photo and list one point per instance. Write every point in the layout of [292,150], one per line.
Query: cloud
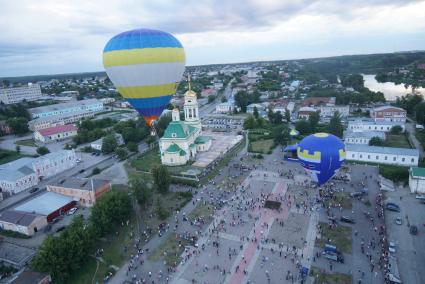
[76,31]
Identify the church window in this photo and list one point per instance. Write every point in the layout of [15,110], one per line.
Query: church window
[174,135]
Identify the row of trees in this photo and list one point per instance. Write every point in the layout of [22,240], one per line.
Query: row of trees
[67,253]
[311,125]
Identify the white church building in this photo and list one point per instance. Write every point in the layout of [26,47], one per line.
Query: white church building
[183,139]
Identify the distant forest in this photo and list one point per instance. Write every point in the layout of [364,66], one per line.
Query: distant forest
[328,67]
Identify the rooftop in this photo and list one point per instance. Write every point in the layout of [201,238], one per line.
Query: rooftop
[381,108]
[417,171]
[17,169]
[180,128]
[381,150]
[371,121]
[202,139]
[82,183]
[18,217]
[58,116]
[316,101]
[57,129]
[45,203]
[48,108]
[365,134]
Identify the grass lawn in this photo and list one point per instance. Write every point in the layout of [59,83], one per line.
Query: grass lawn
[394,173]
[342,198]
[9,156]
[170,250]
[399,141]
[114,254]
[341,237]
[146,162]
[322,277]
[202,210]
[262,146]
[27,142]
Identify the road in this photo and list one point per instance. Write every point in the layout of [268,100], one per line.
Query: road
[209,108]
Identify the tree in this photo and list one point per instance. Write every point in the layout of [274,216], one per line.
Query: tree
[162,178]
[270,114]
[223,99]
[211,98]
[162,212]
[140,190]
[396,129]
[282,135]
[376,141]
[255,112]
[287,115]
[335,126]
[277,118]
[113,208]
[18,149]
[42,150]
[109,143]
[162,124]
[249,122]
[131,146]
[121,153]
[420,113]
[303,126]
[19,125]
[314,119]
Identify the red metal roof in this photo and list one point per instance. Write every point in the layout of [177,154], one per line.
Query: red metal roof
[57,129]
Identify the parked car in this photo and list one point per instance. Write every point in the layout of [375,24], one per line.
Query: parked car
[347,220]
[392,207]
[35,189]
[72,210]
[413,230]
[391,247]
[357,193]
[398,221]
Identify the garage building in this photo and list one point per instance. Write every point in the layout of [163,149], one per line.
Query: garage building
[49,204]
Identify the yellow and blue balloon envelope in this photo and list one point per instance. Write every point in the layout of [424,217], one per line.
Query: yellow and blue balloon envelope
[145,66]
[321,155]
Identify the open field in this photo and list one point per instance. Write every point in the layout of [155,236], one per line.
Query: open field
[27,142]
[262,146]
[398,141]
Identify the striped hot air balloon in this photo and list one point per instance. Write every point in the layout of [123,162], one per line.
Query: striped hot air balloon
[145,66]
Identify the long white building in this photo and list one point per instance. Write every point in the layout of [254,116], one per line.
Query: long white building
[351,137]
[382,155]
[14,95]
[91,105]
[24,173]
[362,125]
[59,119]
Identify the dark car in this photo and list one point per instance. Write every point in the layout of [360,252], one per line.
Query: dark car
[93,153]
[60,229]
[35,189]
[82,171]
[413,230]
[393,207]
[47,228]
[347,220]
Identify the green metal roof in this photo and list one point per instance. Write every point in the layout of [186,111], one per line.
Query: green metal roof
[174,148]
[202,139]
[192,145]
[180,129]
[417,171]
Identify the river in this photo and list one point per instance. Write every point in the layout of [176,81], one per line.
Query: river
[391,91]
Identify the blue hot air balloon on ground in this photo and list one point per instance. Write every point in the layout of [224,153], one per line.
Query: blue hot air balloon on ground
[321,155]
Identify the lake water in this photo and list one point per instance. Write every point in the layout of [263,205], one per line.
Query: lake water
[390,90]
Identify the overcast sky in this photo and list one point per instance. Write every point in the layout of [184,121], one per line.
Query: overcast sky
[46,37]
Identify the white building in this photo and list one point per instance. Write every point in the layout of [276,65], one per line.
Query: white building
[59,119]
[97,144]
[305,112]
[55,133]
[31,92]
[91,105]
[389,113]
[382,155]
[328,111]
[225,107]
[24,173]
[182,139]
[417,180]
[351,137]
[362,125]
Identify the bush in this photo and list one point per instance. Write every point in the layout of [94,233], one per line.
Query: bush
[183,181]
[96,171]
[162,212]
[396,129]
[42,150]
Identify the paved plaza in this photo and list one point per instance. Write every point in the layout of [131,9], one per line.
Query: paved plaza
[221,143]
[248,243]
